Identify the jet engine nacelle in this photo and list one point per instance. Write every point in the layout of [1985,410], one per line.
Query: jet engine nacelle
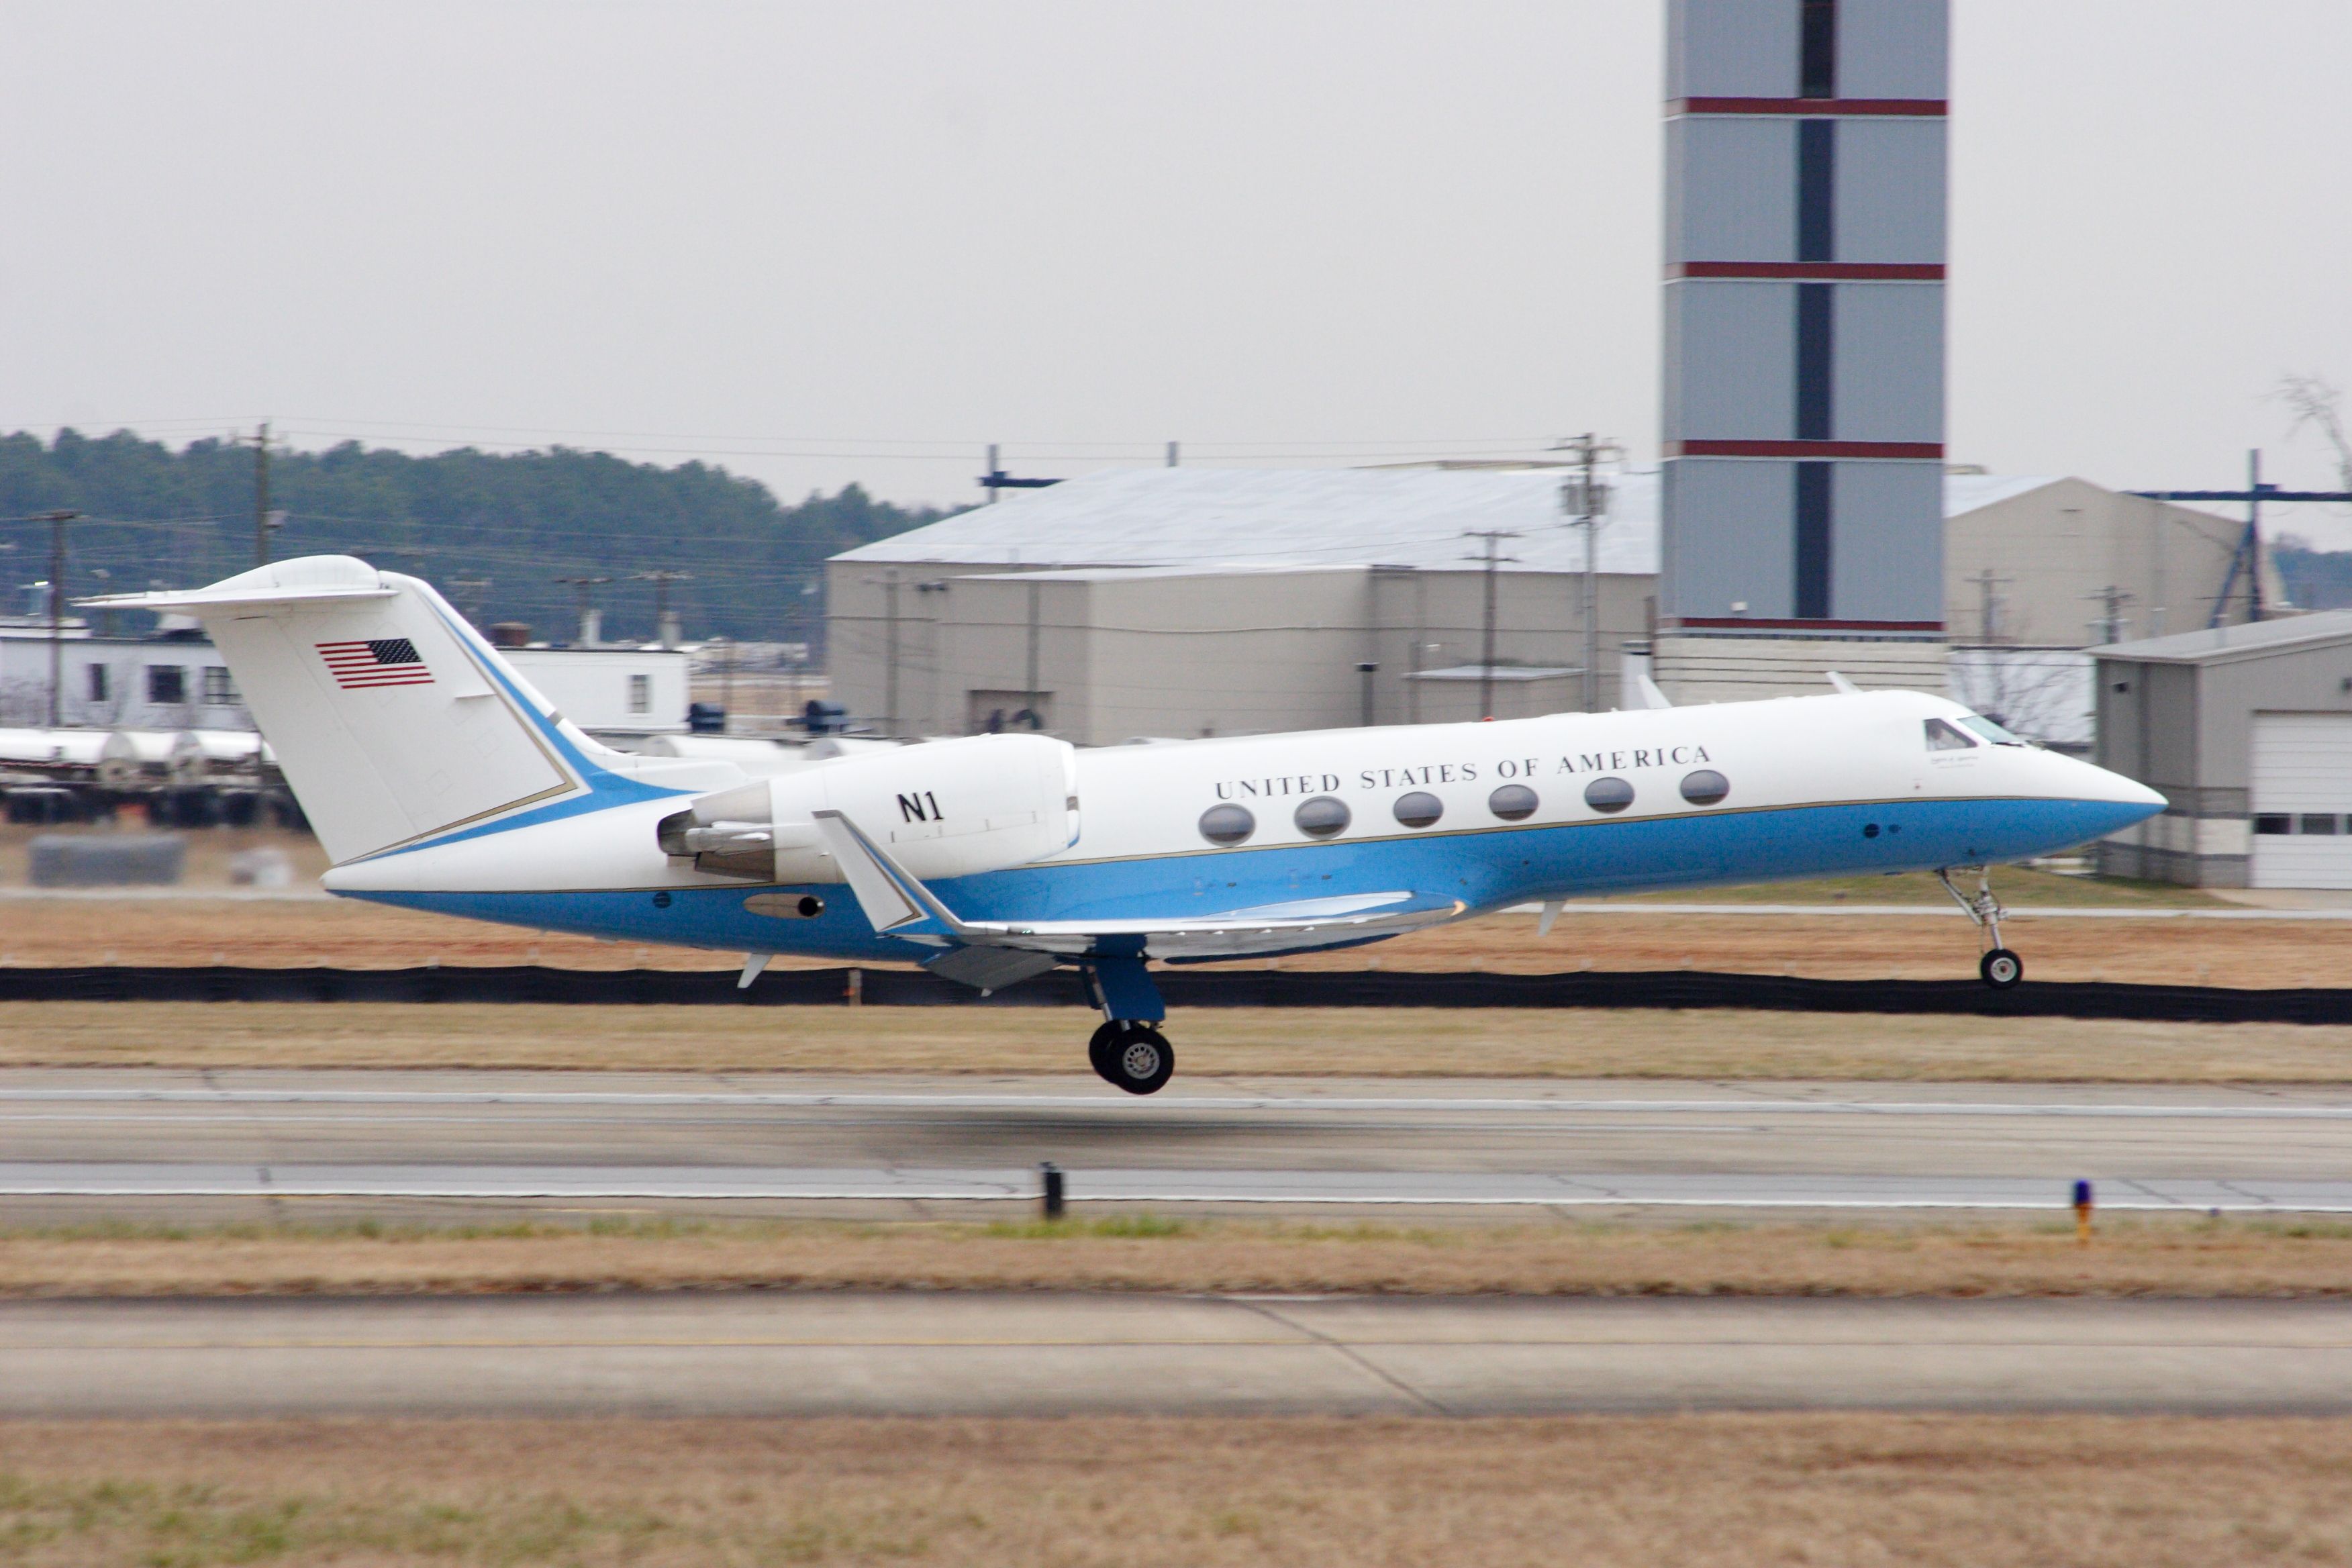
[947,808]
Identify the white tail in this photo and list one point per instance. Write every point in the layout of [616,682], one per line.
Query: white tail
[393,720]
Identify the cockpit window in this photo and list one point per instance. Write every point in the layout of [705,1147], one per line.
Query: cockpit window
[1991,731]
[1942,737]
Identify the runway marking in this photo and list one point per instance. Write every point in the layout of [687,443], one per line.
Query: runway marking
[1110,1102]
[1431,1188]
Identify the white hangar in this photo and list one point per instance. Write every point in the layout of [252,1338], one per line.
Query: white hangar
[1191,600]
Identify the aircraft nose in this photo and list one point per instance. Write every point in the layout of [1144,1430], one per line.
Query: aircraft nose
[2114,789]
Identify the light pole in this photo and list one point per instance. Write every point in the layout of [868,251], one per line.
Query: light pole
[56,521]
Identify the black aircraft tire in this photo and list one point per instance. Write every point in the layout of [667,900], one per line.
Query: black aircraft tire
[2001,968]
[1143,1060]
[1099,1048]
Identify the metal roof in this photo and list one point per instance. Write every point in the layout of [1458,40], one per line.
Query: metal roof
[1201,517]
[2249,641]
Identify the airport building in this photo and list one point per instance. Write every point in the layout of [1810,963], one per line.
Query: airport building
[2247,730]
[178,681]
[1186,601]
[1802,363]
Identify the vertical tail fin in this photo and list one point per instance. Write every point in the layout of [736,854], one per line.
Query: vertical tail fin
[393,720]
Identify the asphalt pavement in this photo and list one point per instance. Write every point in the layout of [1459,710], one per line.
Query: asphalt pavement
[103,1136]
[1039,1355]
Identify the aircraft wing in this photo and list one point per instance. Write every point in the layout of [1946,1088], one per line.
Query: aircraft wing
[899,905]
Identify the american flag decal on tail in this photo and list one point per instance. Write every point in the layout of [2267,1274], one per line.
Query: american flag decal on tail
[387,662]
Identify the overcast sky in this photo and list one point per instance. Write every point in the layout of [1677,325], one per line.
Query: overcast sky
[827,242]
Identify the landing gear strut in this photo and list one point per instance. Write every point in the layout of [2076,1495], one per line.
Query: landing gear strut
[2000,968]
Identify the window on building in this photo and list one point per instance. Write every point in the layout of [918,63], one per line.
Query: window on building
[167,684]
[94,679]
[641,694]
[220,691]
[2318,822]
[2278,823]
[1942,737]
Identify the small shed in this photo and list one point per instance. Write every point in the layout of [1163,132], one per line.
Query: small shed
[2247,730]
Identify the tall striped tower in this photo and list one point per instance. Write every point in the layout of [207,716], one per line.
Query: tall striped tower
[1803,379]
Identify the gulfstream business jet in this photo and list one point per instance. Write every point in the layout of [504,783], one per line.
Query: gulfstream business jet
[438,779]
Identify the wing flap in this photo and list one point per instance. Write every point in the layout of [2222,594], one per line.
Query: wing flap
[897,904]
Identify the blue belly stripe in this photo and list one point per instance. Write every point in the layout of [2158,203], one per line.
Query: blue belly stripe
[1485,870]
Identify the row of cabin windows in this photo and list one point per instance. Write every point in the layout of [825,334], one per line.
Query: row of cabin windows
[1326,816]
[167,685]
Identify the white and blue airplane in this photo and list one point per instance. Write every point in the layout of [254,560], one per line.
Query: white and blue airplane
[438,779]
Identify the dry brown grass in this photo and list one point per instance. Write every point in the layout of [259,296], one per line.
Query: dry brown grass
[1252,1041]
[2132,1257]
[1700,1491]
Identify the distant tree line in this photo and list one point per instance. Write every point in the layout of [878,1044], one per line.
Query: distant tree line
[513,523]
[2313,579]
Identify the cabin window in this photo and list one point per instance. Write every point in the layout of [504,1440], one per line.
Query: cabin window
[1513,802]
[167,684]
[1418,809]
[1322,817]
[220,691]
[1227,824]
[1609,794]
[1942,737]
[2277,823]
[1704,787]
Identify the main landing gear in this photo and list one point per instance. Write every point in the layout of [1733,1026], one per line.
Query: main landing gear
[2000,968]
[1131,1054]
[1128,1051]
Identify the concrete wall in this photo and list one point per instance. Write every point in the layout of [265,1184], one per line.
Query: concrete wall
[2052,551]
[1183,654]
[1691,667]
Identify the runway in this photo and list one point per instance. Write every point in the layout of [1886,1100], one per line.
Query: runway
[103,1136]
[945,1354]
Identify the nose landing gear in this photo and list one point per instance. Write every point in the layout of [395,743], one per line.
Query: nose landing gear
[2000,968]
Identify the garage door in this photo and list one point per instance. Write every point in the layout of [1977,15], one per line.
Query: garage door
[2302,796]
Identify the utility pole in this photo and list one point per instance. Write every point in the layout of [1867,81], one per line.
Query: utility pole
[1589,501]
[995,468]
[1029,698]
[2110,624]
[56,521]
[1493,560]
[891,655]
[1171,454]
[592,624]
[263,519]
[1367,670]
[1988,606]
[664,632]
